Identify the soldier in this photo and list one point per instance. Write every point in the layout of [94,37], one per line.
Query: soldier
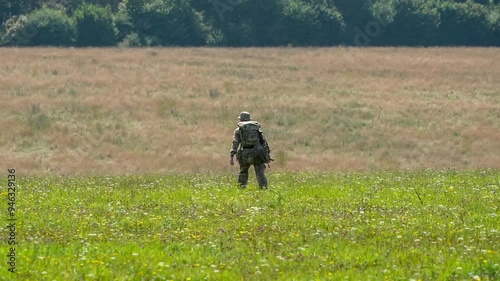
[253,150]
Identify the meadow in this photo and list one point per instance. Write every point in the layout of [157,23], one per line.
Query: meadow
[387,163]
[405,225]
[173,110]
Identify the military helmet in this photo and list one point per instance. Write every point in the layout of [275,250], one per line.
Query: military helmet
[244,116]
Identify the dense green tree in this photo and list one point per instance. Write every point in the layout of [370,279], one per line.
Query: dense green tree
[261,22]
[9,8]
[244,22]
[265,21]
[5,10]
[463,24]
[94,26]
[311,23]
[358,18]
[494,22]
[172,23]
[70,6]
[135,10]
[406,22]
[483,2]
[123,23]
[43,27]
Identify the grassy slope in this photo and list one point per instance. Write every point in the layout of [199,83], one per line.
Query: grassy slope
[68,111]
[309,226]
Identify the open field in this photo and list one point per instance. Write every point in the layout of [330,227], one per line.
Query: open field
[427,225]
[116,111]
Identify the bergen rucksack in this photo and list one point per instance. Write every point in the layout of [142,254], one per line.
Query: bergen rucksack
[249,133]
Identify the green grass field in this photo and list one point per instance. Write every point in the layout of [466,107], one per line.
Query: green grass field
[406,225]
[122,159]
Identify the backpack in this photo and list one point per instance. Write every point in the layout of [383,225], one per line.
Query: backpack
[249,133]
[250,137]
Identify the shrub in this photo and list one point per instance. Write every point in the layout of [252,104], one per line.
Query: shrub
[44,27]
[94,25]
[131,40]
[215,37]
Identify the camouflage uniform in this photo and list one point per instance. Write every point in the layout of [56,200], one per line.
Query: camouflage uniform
[245,155]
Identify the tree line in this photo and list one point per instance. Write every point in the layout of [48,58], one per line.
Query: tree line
[136,23]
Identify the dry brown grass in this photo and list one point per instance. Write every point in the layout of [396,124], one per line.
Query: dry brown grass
[69,111]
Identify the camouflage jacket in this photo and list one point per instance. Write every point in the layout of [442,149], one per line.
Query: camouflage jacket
[237,138]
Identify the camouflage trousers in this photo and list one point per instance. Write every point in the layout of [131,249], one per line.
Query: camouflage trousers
[246,160]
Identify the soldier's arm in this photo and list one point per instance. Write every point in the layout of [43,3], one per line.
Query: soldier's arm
[236,142]
[263,141]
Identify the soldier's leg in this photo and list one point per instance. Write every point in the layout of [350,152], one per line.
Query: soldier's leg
[243,176]
[260,173]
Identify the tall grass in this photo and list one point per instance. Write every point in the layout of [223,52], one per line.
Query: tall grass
[174,110]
